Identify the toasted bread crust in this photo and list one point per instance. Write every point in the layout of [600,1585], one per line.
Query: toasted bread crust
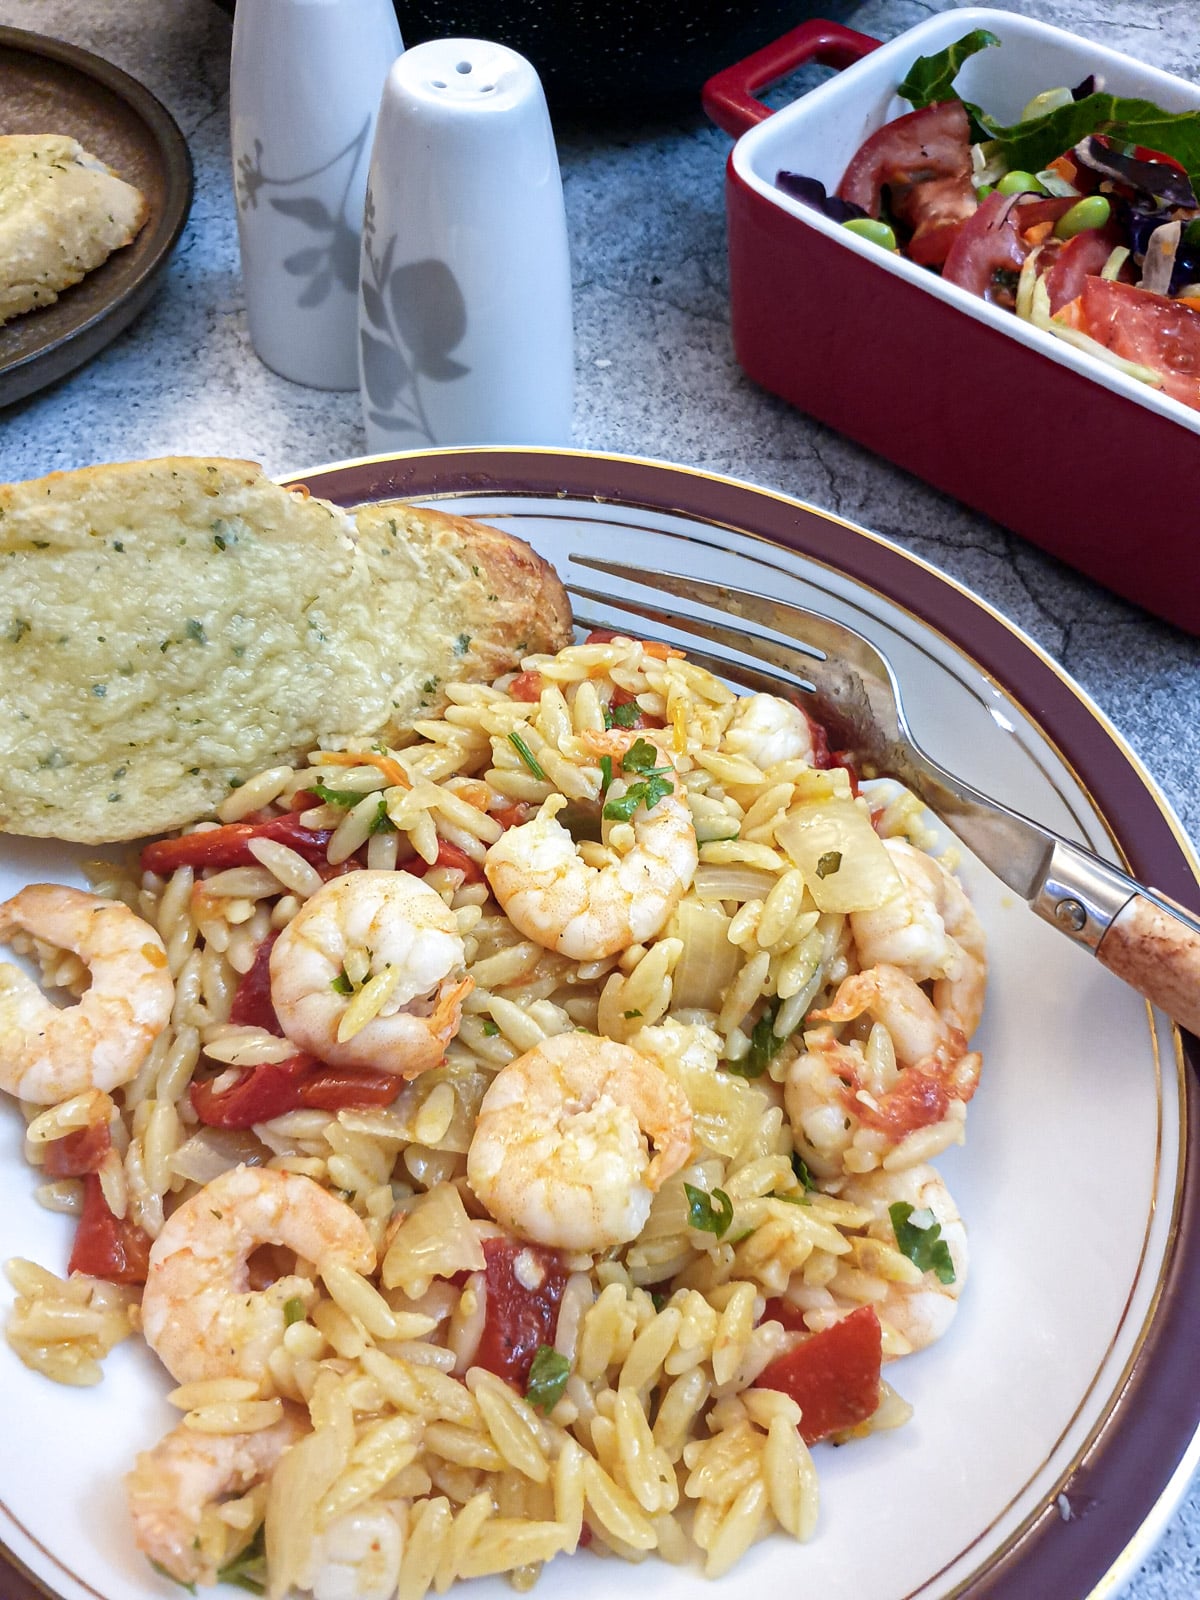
[457,599]
[169,628]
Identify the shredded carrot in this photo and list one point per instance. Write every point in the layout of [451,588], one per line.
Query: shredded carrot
[1071,315]
[391,769]
[1039,231]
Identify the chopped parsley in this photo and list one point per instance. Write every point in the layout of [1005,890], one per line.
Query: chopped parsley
[490,1029]
[527,756]
[803,1175]
[335,797]
[650,787]
[710,1213]
[765,1044]
[341,984]
[195,630]
[606,775]
[249,1569]
[547,1378]
[918,1235]
[293,1311]
[623,716]
[829,863]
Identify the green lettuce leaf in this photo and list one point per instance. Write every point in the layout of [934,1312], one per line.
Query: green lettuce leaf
[1030,146]
[930,79]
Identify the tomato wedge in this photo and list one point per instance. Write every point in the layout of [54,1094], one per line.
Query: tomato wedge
[1150,329]
[518,1319]
[923,160]
[105,1246]
[833,1376]
[989,252]
[1082,257]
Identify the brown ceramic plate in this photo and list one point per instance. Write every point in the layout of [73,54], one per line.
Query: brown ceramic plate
[49,86]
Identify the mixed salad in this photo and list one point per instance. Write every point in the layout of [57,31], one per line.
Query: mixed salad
[1082,217]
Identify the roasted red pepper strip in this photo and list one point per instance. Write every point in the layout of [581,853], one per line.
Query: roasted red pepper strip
[518,1319]
[252,1006]
[449,855]
[349,1088]
[526,686]
[230,846]
[833,1376]
[277,1087]
[106,1246]
[77,1153]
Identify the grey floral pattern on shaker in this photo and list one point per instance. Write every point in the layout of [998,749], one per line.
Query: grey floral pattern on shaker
[333,256]
[419,315]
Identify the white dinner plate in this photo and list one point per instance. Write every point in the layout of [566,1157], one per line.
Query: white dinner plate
[1055,1424]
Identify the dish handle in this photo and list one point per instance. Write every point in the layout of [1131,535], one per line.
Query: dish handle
[729,96]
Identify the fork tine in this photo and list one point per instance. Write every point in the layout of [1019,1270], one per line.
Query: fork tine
[821,637]
[856,696]
[750,677]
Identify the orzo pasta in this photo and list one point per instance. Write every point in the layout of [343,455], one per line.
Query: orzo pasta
[512,1132]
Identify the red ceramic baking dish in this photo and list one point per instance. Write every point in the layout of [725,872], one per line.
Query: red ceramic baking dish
[1078,457]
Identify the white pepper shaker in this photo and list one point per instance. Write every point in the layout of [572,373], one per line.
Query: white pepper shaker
[304,86]
[465,318]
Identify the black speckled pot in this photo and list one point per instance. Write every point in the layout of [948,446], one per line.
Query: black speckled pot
[610,56]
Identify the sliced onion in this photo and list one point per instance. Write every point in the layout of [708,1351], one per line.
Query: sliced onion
[1159,262]
[211,1151]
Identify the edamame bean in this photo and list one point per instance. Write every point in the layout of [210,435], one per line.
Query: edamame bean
[1092,212]
[1019,183]
[868,228]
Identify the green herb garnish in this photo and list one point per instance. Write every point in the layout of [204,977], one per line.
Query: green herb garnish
[341,984]
[625,715]
[803,1175]
[381,822]
[527,756]
[490,1029]
[163,1573]
[249,1569]
[547,1378]
[829,863]
[765,1045]
[918,1235]
[293,1311]
[606,775]
[710,1213]
[335,797]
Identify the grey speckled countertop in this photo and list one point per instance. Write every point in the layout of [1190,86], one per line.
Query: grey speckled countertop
[655,376]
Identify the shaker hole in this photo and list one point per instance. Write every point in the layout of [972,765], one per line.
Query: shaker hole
[438,83]
[487,88]
[463,66]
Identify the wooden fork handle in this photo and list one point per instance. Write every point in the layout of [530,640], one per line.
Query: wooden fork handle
[1159,954]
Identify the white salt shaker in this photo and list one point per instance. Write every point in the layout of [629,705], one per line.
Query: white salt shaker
[465,285]
[304,87]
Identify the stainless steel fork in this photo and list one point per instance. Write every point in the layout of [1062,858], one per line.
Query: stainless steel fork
[1137,933]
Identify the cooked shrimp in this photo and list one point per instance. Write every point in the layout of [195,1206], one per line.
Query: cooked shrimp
[199,1315]
[369,973]
[918,1305]
[853,1108]
[560,1153]
[586,912]
[930,931]
[48,1054]
[171,1487]
[766,730]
